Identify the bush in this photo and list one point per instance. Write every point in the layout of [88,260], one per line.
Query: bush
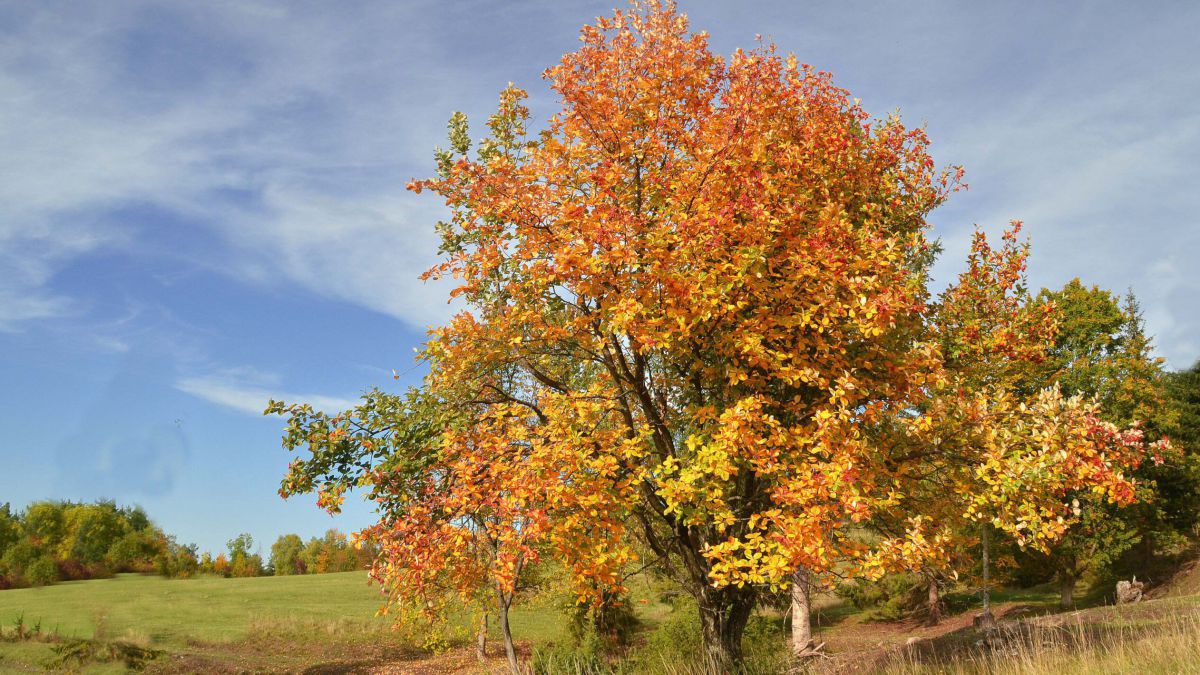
[41,572]
[246,566]
[600,630]
[678,638]
[72,569]
[134,551]
[176,561]
[888,599]
[677,647]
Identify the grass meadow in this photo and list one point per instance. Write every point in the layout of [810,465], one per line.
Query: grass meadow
[327,624]
[294,623]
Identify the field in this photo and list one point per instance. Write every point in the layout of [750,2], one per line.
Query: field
[326,624]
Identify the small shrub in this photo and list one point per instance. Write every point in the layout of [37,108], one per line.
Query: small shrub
[41,572]
[889,599]
[73,569]
[81,652]
[602,629]
[564,660]
[677,639]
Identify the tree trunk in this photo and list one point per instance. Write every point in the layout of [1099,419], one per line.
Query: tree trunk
[481,639]
[986,621]
[935,602]
[510,651]
[1066,587]
[723,616]
[801,612]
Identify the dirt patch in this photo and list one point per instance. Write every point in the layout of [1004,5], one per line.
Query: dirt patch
[278,656]
[456,662]
[325,659]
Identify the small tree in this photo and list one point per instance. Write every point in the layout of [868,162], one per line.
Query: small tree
[285,555]
[242,563]
[998,445]
[443,513]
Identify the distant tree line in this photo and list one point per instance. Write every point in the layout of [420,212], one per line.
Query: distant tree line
[61,541]
[331,553]
[53,541]
[290,555]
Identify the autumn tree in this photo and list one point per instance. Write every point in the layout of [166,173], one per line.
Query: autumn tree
[993,338]
[1101,352]
[725,260]
[696,315]
[243,563]
[457,487]
[990,338]
[998,447]
[285,555]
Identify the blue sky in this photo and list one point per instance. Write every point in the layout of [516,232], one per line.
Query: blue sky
[202,205]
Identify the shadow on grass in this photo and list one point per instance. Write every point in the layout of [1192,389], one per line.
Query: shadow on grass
[832,615]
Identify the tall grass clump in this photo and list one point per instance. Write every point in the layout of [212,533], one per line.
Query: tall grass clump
[1170,645]
[675,648]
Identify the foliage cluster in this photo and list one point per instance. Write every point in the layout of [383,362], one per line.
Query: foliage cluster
[887,599]
[333,552]
[57,540]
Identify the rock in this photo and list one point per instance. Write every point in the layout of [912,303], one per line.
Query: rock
[1129,591]
[985,622]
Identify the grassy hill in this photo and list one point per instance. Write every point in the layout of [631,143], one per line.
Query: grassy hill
[216,624]
[326,623]
[170,612]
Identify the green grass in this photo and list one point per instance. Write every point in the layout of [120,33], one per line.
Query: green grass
[290,621]
[172,612]
[328,621]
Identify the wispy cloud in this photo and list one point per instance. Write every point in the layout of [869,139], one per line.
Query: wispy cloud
[290,133]
[232,390]
[287,132]
[368,251]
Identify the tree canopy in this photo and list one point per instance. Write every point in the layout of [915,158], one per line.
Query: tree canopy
[697,323]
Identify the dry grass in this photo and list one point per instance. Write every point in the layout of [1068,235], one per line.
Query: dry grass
[1170,644]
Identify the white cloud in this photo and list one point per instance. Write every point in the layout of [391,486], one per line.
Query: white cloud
[290,131]
[368,251]
[18,305]
[285,131]
[29,263]
[232,390]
